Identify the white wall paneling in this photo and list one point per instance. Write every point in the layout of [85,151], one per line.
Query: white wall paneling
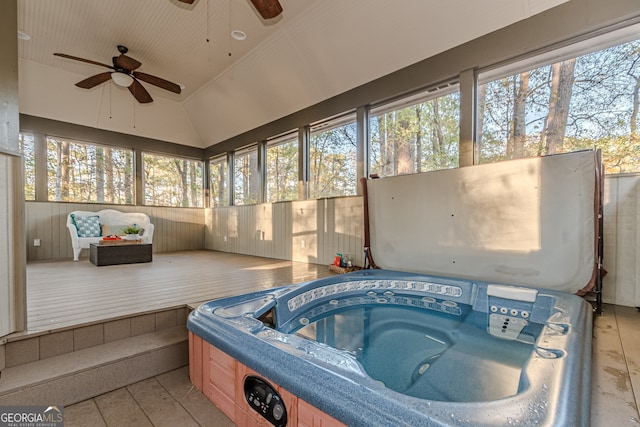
[176,229]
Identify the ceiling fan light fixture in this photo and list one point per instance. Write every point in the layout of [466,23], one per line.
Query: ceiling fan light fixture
[239,35]
[121,79]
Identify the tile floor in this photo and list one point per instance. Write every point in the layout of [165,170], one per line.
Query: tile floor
[170,399]
[165,400]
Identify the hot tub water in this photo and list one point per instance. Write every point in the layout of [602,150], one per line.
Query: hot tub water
[421,352]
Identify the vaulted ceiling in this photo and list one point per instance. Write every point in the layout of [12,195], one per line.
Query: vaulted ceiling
[314,50]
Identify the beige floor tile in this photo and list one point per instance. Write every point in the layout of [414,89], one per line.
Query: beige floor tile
[143,324]
[22,351]
[166,319]
[88,336]
[120,409]
[201,409]
[83,414]
[612,400]
[160,407]
[117,330]
[55,344]
[629,325]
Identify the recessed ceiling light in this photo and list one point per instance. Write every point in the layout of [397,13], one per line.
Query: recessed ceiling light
[238,35]
[23,36]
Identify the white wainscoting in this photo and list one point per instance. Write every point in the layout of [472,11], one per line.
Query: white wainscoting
[622,240]
[176,229]
[307,231]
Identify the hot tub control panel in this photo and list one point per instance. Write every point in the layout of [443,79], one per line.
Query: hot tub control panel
[264,399]
[509,308]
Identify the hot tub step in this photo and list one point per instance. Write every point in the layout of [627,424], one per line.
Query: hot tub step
[73,377]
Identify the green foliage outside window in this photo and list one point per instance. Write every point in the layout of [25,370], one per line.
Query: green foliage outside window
[282,170]
[578,103]
[172,181]
[87,173]
[218,182]
[333,161]
[246,178]
[417,138]
[29,162]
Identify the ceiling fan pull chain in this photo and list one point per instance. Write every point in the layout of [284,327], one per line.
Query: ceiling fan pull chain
[110,92]
[229,30]
[134,113]
[207,21]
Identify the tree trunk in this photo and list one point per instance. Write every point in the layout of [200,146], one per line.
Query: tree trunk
[562,77]
[515,144]
[439,135]
[405,150]
[482,97]
[634,113]
[195,199]
[110,195]
[100,172]
[62,172]
[382,123]
[418,138]
[181,166]
[128,178]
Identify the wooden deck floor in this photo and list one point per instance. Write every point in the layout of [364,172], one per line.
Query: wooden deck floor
[66,293]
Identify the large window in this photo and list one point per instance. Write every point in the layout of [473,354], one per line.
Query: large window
[88,173]
[29,165]
[577,103]
[218,187]
[172,181]
[282,169]
[246,188]
[332,158]
[416,134]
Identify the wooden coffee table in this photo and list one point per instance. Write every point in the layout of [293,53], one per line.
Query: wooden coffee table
[114,254]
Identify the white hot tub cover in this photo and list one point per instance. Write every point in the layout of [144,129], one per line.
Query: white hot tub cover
[529,221]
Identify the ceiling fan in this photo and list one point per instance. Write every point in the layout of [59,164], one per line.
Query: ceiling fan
[124,74]
[268,9]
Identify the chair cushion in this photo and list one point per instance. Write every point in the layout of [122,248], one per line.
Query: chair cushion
[88,226]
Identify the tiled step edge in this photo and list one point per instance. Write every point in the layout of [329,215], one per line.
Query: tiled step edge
[80,375]
[30,346]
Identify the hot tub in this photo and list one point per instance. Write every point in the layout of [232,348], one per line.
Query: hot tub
[380,347]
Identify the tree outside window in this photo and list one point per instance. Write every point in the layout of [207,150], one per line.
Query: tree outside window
[282,169]
[172,181]
[332,158]
[246,183]
[88,173]
[218,190]
[577,103]
[416,134]
[27,145]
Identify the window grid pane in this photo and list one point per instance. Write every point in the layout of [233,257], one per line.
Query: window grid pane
[88,173]
[282,170]
[218,189]
[27,146]
[333,160]
[172,181]
[246,183]
[421,137]
[578,103]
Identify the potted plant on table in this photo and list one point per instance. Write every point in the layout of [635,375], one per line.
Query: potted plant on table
[132,232]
